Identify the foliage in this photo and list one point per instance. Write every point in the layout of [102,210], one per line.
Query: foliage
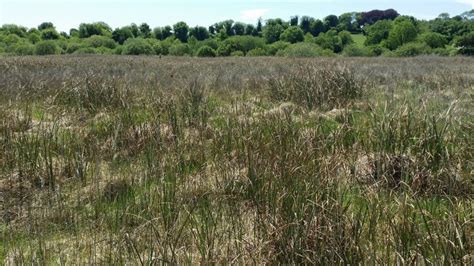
[412,49]
[355,50]
[137,46]
[466,44]
[292,34]
[434,40]
[97,41]
[179,49]
[180,31]
[304,50]
[402,33]
[98,28]
[46,48]
[206,51]
[272,31]
[373,16]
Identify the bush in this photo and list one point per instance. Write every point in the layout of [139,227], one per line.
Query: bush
[434,40]
[85,50]
[378,50]
[97,41]
[466,44]
[304,50]
[206,51]
[275,47]
[24,49]
[242,43]
[354,50]
[137,46]
[237,54]
[74,46]
[292,34]
[257,52]
[412,49]
[46,48]
[179,49]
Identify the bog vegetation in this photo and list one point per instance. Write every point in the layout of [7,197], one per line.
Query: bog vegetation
[372,33]
[142,160]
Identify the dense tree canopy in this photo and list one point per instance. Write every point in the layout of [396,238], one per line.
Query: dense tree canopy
[369,33]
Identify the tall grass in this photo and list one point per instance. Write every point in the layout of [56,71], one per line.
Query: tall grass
[244,161]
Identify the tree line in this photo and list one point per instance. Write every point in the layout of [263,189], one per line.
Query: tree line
[372,33]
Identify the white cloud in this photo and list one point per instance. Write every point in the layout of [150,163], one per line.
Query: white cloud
[253,14]
[467,2]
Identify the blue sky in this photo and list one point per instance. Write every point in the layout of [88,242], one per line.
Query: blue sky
[67,14]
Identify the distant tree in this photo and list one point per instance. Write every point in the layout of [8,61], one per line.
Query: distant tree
[346,38]
[49,34]
[135,30]
[330,40]
[305,24]
[293,34]
[206,51]
[14,29]
[331,21]
[238,28]
[294,21]
[200,33]
[346,22]
[317,27]
[434,40]
[46,25]
[251,30]
[465,43]
[375,15]
[378,32]
[444,16]
[74,33]
[272,31]
[97,41]
[212,30]
[120,35]
[259,25]
[145,30]
[180,30]
[46,48]
[98,28]
[167,32]
[137,46]
[402,33]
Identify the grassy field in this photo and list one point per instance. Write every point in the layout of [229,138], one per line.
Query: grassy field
[146,160]
[359,39]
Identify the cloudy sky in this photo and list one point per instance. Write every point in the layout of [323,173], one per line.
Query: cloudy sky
[66,14]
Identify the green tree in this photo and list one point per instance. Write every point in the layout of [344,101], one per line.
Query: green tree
[272,31]
[97,41]
[293,34]
[465,43]
[145,30]
[378,32]
[403,32]
[317,27]
[206,51]
[238,28]
[137,46]
[434,40]
[200,33]
[120,35]
[180,30]
[49,34]
[45,25]
[98,28]
[346,38]
[331,21]
[46,48]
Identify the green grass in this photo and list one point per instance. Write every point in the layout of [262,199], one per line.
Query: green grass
[359,39]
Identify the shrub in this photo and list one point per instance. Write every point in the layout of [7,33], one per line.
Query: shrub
[466,44]
[275,47]
[434,40]
[304,50]
[412,49]
[237,54]
[242,43]
[179,49]
[257,52]
[73,46]
[354,50]
[49,34]
[206,51]
[97,41]
[292,34]
[85,50]
[137,46]
[46,48]
[24,49]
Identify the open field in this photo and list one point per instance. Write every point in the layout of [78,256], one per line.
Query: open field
[147,160]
